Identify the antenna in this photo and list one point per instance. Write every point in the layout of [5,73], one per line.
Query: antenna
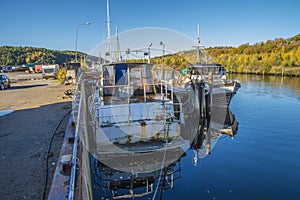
[108,27]
[198,47]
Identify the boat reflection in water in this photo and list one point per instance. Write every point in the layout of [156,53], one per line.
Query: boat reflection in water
[114,184]
[210,132]
[132,183]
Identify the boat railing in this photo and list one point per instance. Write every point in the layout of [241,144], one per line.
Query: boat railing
[166,89]
[151,111]
[116,108]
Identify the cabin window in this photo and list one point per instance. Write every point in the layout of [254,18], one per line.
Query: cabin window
[108,79]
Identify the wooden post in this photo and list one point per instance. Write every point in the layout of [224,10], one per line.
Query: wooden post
[210,82]
[208,141]
[202,100]
[209,118]
[200,94]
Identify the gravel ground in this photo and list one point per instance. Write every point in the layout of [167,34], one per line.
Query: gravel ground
[25,136]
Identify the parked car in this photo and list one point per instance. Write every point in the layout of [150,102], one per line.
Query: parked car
[4,82]
[5,69]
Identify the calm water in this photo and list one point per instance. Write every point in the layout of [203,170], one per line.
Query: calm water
[263,160]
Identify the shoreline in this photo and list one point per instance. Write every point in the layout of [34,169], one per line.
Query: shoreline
[265,74]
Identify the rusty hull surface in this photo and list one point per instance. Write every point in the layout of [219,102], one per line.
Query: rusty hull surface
[61,179]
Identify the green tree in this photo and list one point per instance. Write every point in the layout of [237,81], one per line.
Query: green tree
[298,55]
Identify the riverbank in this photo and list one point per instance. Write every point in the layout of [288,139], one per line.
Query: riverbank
[274,71]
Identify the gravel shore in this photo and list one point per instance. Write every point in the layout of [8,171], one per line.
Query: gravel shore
[25,135]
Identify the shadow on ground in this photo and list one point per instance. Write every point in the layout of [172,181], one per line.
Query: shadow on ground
[25,136]
[26,86]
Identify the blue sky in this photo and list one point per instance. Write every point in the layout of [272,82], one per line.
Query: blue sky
[52,23]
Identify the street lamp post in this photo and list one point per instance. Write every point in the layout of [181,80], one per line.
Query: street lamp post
[161,70]
[76,37]
[161,43]
[149,59]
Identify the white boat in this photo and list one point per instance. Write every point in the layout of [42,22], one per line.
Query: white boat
[136,109]
[222,89]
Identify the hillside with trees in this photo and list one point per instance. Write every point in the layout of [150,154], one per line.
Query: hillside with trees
[270,57]
[11,55]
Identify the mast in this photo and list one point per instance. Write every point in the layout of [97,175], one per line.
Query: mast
[198,45]
[108,28]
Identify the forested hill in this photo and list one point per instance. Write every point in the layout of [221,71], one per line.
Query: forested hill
[268,57]
[13,55]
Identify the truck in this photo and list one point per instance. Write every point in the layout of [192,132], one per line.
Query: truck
[50,71]
[38,68]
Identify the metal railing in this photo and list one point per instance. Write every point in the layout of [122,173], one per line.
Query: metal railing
[109,119]
[166,98]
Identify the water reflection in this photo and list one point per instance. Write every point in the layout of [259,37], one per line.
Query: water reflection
[266,85]
[130,183]
[210,132]
[109,183]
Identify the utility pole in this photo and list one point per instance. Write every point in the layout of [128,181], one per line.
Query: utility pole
[149,58]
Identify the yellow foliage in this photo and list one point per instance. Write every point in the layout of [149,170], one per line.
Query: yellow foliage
[28,59]
[61,75]
[298,54]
